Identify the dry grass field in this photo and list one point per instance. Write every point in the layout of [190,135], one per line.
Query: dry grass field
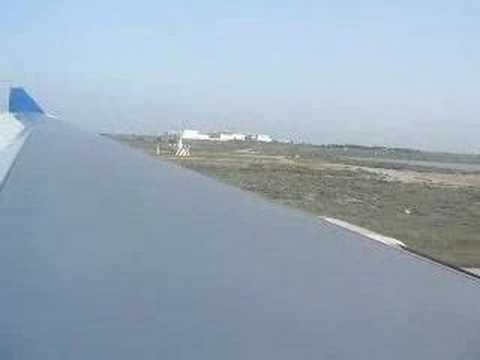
[404,194]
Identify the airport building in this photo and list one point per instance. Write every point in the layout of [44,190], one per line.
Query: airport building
[260,138]
[232,137]
[195,135]
[190,134]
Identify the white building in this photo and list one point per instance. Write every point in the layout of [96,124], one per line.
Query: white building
[232,136]
[189,134]
[259,138]
[195,135]
[264,138]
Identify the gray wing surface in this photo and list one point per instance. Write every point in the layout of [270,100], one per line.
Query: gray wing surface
[108,254]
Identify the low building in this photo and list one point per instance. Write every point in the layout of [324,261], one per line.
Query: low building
[232,136]
[259,138]
[264,138]
[190,134]
[194,135]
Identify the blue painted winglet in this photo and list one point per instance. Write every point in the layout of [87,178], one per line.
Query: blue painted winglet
[20,102]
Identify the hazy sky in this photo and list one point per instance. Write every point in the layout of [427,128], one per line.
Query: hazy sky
[403,73]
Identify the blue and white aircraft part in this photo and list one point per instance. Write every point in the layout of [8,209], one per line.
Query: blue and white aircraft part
[15,127]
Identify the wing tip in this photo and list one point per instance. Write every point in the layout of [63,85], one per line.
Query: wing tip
[21,102]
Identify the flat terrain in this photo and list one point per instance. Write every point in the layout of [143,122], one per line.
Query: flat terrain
[430,201]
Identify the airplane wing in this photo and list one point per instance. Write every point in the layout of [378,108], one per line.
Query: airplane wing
[106,253]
